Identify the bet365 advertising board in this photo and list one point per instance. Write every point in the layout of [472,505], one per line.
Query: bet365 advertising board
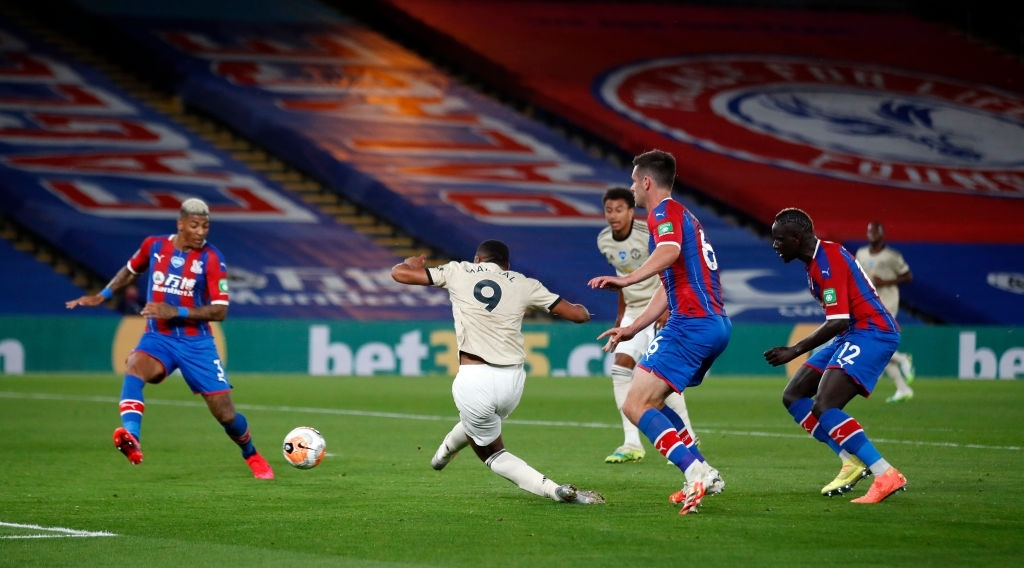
[345,348]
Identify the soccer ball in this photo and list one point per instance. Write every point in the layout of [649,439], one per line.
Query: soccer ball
[304,447]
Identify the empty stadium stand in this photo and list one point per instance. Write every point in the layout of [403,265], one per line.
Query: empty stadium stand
[768,108]
[31,285]
[89,168]
[365,150]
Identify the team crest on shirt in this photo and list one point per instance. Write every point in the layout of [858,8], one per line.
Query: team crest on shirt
[828,296]
[847,120]
[197,266]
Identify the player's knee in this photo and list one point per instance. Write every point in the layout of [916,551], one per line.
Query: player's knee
[822,405]
[222,409]
[623,360]
[145,367]
[622,374]
[789,397]
[634,408]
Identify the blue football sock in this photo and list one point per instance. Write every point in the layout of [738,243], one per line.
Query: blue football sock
[238,430]
[132,405]
[801,412]
[660,431]
[673,417]
[684,433]
[849,434]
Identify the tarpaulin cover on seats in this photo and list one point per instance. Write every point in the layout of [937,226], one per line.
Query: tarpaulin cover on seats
[450,166]
[93,171]
[852,116]
[967,283]
[31,287]
[857,114]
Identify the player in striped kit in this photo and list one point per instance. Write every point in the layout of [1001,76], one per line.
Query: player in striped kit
[863,336]
[625,245]
[186,288]
[697,330]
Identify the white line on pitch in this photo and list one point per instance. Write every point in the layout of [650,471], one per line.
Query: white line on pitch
[51,532]
[436,418]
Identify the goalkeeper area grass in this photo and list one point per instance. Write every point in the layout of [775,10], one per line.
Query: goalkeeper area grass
[68,498]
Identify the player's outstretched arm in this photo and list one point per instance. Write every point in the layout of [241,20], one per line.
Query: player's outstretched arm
[577,313]
[781,355]
[656,310]
[613,283]
[412,270]
[87,301]
[615,336]
[660,259]
[123,278]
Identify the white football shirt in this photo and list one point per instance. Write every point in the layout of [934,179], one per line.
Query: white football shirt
[488,305]
[625,257]
[887,264]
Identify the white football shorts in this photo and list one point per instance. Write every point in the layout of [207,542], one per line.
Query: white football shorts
[485,396]
[637,346]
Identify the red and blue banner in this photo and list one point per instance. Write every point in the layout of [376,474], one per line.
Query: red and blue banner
[770,108]
[765,109]
[450,166]
[93,171]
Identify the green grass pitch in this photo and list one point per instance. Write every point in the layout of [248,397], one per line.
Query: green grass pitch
[67,498]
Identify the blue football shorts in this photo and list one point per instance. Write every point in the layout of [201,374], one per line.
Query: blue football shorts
[861,353]
[196,357]
[683,351]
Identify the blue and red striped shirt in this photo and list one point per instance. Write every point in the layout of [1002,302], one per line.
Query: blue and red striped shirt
[691,282]
[182,279]
[837,280]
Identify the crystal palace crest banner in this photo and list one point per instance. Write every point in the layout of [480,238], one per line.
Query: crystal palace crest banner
[831,111]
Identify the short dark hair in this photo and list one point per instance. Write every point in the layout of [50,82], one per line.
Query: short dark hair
[622,193]
[658,164]
[493,251]
[797,218]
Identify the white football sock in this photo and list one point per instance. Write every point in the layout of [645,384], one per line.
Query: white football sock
[676,402]
[622,377]
[514,469]
[893,370]
[879,467]
[453,441]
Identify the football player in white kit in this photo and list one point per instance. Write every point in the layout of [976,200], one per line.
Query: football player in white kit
[888,270]
[488,305]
